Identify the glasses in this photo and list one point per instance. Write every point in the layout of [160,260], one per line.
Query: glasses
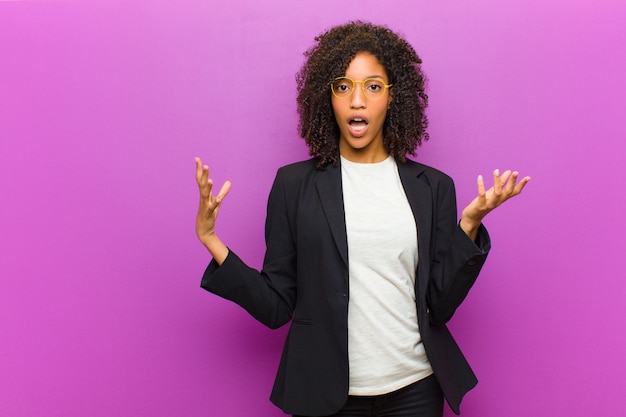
[373,88]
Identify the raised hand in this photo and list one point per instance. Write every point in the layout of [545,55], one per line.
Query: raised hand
[504,187]
[208,211]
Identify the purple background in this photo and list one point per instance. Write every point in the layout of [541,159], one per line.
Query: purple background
[103,106]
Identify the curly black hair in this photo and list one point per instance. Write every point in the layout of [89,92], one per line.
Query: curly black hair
[405,125]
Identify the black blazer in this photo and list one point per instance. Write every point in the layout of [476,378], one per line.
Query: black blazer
[305,277]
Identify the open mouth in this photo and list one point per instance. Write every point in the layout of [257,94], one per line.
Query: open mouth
[357,126]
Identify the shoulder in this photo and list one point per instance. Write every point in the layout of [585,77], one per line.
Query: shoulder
[295,175]
[303,170]
[432,175]
[298,168]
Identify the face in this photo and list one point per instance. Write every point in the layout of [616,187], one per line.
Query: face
[359,117]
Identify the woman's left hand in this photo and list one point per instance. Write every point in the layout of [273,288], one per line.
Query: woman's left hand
[504,187]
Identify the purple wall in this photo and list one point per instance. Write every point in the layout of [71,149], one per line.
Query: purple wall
[103,106]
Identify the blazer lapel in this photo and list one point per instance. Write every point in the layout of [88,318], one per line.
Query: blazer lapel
[419,194]
[330,194]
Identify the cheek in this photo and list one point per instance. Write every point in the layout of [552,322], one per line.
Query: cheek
[382,111]
[336,109]
[336,112]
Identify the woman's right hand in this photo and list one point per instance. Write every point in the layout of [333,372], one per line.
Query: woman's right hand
[208,210]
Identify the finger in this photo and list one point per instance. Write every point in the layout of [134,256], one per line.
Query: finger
[481,189]
[205,183]
[198,169]
[511,179]
[518,189]
[497,183]
[505,177]
[223,192]
[202,173]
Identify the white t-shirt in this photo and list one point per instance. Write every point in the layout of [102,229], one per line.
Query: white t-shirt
[385,351]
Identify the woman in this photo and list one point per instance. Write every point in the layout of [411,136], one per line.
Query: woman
[364,253]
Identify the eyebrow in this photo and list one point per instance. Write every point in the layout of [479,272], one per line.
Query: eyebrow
[369,76]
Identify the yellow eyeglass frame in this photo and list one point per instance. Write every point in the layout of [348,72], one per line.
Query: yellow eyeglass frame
[386,87]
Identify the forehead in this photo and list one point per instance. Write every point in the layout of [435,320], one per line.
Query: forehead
[365,65]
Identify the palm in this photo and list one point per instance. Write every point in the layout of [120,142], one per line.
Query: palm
[504,187]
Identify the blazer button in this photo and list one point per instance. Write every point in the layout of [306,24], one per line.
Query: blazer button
[471,262]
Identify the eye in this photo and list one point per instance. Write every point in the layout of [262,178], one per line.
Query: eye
[343,85]
[374,86]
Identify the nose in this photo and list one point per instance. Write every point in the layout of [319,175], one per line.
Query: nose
[357,99]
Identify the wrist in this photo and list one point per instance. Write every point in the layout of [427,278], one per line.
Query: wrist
[470,227]
[208,239]
[216,247]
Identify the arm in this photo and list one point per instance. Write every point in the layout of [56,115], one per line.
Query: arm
[459,251]
[456,259]
[269,295]
[207,212]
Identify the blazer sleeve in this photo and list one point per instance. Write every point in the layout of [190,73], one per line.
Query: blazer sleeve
[456,259]
[268,295]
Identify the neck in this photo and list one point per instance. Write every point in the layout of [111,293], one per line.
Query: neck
[363,156]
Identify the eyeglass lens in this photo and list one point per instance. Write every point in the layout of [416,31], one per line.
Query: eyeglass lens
[344,87]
